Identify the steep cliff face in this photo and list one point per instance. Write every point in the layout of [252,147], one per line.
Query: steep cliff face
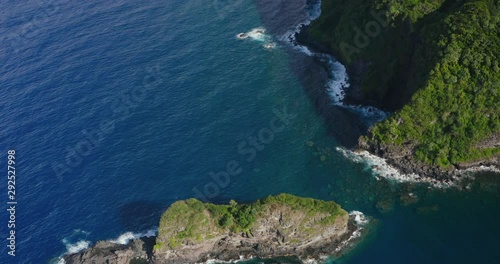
[379,51]
[437,63]
[193,232]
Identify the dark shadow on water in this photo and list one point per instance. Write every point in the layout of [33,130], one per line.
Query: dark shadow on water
[345,126]
[279,17]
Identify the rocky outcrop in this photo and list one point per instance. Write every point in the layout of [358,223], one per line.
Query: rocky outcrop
[241,246]
[194,232]
[280,231]
[137,251]
[402,158]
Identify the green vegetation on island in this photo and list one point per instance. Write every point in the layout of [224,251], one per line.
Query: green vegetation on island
[191,231]
[436,62]
[192,221]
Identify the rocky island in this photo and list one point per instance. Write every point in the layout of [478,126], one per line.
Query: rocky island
[194,232]
[434,64]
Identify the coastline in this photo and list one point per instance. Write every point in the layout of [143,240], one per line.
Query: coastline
[285,226]
[397,160]
[326,81]
[141,250]
[382,168]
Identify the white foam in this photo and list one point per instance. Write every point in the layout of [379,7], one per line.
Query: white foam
[124,239]
[481,169]
[271,45]
[310,261]
[338,82]
[128,236]
[77,247]
[290,36]
[215,261]
[83,244]
[380,168]
[242,36]
[258,34]
[359,218]
[338,73]
[76,242]
[354,235]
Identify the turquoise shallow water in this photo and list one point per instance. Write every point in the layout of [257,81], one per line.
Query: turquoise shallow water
[182,94]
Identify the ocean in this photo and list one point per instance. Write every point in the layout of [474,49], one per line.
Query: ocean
[118,109]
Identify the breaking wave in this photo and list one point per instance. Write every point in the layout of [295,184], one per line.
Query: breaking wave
[78,242]
[339,79]
[258,34]
[381,169]
[129,236]
[359,218]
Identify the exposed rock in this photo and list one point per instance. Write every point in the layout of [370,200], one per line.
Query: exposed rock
[136,251]
[193,232]
[402,158]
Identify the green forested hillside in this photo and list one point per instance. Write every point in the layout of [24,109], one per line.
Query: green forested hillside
[441,59]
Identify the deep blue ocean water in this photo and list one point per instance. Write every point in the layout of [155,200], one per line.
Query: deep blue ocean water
[118,109]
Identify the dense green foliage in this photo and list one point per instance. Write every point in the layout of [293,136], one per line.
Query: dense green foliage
[202,220]
[445,55]
[308,205]
[236,217]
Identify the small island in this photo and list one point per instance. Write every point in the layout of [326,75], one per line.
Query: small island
[191,231]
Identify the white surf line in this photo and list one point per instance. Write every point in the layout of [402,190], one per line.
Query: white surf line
[339,79]
[213,261]
[380,168]
[336,89]
[360,220]
[72,248]
[481,169]
[123,239]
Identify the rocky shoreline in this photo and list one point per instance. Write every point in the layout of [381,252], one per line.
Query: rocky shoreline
[304,229]
[401,158]
[227,249]
[137,251]
[353,95]
[237,247]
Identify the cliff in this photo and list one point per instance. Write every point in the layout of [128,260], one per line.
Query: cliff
[435,63]
[193,232]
